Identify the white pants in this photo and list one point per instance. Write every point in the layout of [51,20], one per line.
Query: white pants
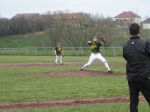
[58,57]
[96,56]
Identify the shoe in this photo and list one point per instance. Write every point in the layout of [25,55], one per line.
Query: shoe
[62,64]
[110,71]
[81,69]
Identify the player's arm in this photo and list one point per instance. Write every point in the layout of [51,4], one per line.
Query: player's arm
[102,43]
[99,43]
[62,52]
[55,52]
[101,39]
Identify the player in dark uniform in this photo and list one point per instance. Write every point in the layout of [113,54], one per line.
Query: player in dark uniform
[136,52]
[95,45]
[59,53]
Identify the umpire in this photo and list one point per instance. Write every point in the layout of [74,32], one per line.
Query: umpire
[137,54]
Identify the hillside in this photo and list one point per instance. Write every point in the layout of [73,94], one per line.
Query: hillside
[40,39]
[43,39]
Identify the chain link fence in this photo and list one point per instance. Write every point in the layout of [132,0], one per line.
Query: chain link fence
[68,51]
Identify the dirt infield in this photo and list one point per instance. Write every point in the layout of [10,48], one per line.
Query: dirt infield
[62,73]
[75,102]
[78,73]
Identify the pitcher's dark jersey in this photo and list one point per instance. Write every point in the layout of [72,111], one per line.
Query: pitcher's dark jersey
[59,50]
[95,47]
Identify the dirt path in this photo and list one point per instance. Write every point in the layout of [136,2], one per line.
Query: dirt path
[51,103]
[78,73]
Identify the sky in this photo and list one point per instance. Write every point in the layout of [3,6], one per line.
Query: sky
[8,8]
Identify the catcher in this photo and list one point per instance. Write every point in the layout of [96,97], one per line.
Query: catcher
[95,45]
[59,53]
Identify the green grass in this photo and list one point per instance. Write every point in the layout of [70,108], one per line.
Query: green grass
[19,84]
[27,40]
[46,51]
[23,83]
[19,59]
[86,108]
[25,88]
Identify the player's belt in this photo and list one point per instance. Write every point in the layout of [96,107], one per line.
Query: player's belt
[94,52]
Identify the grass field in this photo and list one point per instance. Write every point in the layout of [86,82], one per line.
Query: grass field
[19,59]
[25,40]
[20,84]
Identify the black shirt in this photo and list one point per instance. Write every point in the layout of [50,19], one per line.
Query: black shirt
[137,54]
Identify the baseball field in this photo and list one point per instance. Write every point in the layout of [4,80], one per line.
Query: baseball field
[36,84]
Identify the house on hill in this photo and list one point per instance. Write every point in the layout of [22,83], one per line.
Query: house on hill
[146,24]
[128,17]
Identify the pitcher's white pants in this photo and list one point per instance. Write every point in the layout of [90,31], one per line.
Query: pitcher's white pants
[58,57]
[96,56]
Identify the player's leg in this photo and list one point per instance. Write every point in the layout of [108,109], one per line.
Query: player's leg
[60,57]
[134,96]
[56,60]
[144,86]
[90,61]
[103,60]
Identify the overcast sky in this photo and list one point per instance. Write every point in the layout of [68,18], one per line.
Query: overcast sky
[8,8]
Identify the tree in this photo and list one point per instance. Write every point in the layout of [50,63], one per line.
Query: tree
[19,26]
[4,27]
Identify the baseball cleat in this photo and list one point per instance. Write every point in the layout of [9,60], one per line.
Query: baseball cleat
[81,69]
[110,71]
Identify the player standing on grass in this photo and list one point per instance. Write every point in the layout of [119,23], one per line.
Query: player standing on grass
[59,53]
[136,52]
[95,45]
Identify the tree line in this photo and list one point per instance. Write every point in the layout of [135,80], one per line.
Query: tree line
[71,29]
[21,25]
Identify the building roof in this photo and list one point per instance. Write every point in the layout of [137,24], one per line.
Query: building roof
[3,18]
[26,15]
[68,16]
[57,16]
[146,21]
[128,14]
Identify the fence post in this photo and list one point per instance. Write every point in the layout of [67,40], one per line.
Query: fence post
[82,51]
[113,51]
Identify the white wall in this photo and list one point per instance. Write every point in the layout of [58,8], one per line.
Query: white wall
[136,20]
[146,25]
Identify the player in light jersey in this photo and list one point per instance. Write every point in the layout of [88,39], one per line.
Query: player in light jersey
[95,45]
